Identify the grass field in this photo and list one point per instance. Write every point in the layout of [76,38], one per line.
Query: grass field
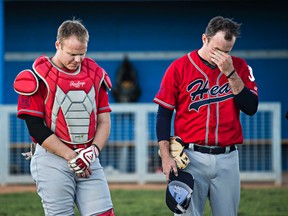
[254,202]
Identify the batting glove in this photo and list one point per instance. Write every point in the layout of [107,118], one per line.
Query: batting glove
[28,155]
[85,157]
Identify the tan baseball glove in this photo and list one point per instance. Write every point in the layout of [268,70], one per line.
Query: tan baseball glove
[178,153]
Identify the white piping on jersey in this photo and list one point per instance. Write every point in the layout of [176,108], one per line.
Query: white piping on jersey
[102,79]
[77,107]
[217,115]
[256,93]
[103,108]
[164,103]
[30,111]
[208,108]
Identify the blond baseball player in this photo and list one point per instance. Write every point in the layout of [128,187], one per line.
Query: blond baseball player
[63,100]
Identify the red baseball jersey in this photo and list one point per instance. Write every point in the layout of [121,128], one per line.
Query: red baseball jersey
[202,98]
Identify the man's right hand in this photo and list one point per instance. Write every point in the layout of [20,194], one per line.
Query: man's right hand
[169,165]
[83,159]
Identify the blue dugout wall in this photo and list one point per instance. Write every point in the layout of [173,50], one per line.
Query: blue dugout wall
[140,28]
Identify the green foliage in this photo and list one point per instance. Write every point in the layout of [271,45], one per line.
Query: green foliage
[254,202]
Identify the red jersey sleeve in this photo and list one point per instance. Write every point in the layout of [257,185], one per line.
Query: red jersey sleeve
[33,104]
[168,92]
[246,74]
[103,99]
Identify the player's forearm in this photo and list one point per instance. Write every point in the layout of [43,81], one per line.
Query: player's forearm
[54,145]
[168,163]
[236,83]
[164,149]
[247,101]
[103,130]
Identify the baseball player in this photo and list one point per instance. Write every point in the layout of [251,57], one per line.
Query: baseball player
[208,88]
[64,103]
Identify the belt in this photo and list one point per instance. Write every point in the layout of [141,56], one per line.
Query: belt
[210,149]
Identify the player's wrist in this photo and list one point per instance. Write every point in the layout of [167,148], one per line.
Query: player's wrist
[97,149]
[230,74]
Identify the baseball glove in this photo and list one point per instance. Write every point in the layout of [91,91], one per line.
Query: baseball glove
[178,153]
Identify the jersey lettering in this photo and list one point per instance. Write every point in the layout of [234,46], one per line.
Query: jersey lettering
[202,90]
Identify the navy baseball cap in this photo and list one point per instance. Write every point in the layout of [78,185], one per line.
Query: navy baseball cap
[179,191]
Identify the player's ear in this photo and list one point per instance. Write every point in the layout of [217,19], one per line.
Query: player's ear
[204,39]
[57,45]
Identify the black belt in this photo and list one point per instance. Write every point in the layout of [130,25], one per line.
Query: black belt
[210,149]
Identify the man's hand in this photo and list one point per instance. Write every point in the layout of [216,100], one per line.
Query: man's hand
[174,157]
[223,60]
[84,159]
[169,165]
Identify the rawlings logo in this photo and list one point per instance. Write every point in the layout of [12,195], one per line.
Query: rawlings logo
[203,93]
[77,84]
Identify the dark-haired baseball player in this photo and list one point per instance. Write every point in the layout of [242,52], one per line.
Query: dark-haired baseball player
[64,103]
[208,88]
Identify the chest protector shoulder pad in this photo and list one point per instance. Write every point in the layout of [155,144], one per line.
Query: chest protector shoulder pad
[26,83]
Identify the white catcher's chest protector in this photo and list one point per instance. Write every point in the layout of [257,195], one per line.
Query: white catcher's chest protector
[72,99]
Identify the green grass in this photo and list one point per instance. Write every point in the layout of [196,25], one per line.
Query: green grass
[254,202]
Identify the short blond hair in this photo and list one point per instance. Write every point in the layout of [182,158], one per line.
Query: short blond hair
[72,27]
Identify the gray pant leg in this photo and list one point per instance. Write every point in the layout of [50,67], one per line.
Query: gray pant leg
[199,167]
[55,183]
[93,194]
[225,187]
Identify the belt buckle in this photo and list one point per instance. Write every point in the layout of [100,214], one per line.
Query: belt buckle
[211,149]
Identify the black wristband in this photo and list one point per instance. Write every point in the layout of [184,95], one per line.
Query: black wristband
[96,147]
[230,74]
